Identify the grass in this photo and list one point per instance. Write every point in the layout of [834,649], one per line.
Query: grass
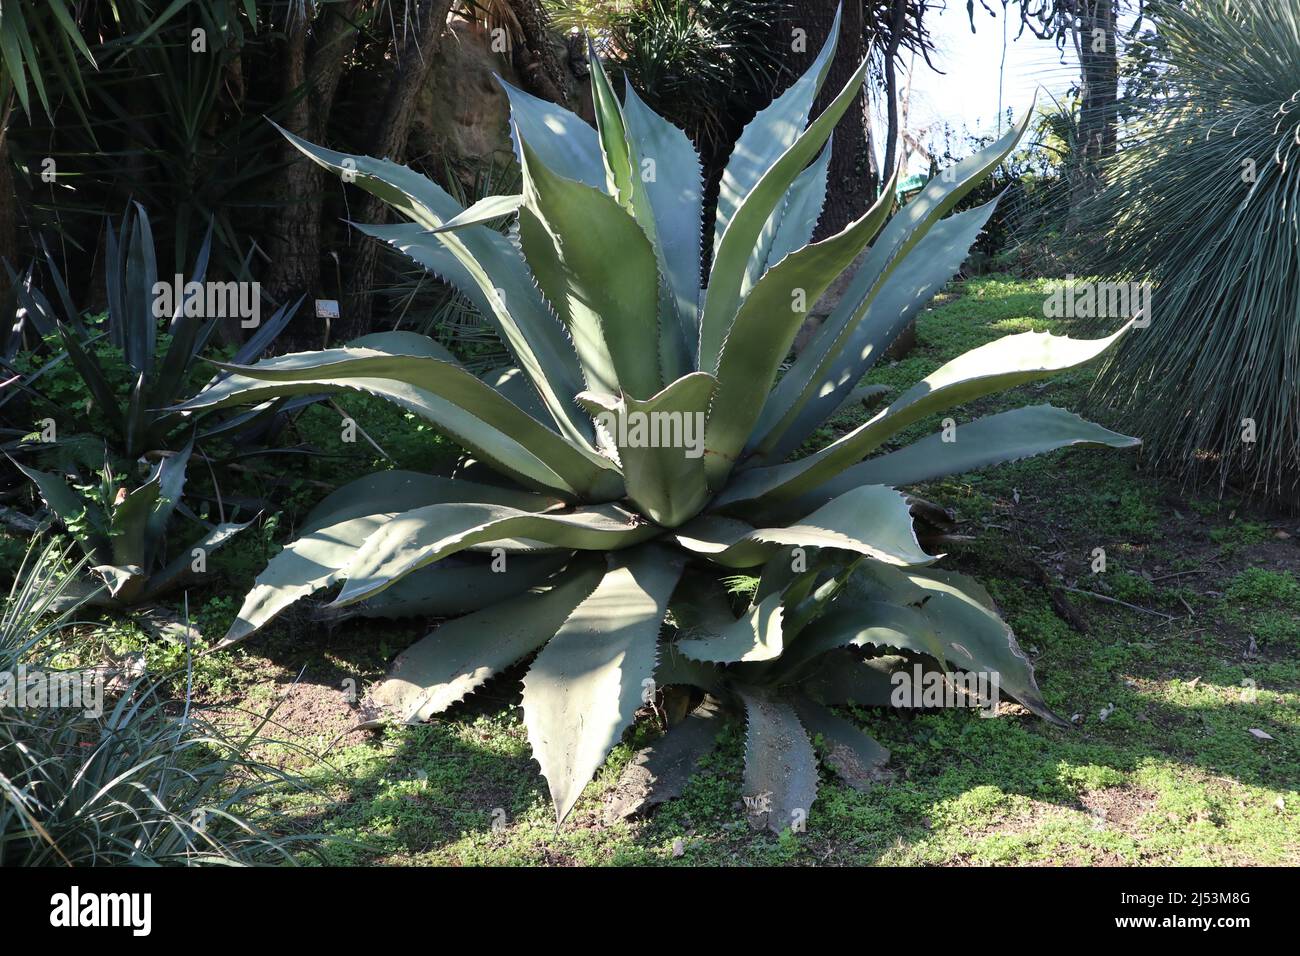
[1160,766]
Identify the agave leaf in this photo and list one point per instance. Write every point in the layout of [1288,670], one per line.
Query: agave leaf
[513,384]
[453,586]
[974,637]
[893,306]
[421,536]
[472,413]
[840,678]
[69,507]
[457,656]
[610,132]
[170,472]
[1005,363]
[400,342]
[780,782]
[746,226]
[801,211]
[868,623]
[668,168]
[870,520]
[755,636]
[663,474]
[891,250]
[675,668]
[484,211]
[129,522]
[338,527]
[765,328]
[992,440]
[596,267]
[561,139]
[588,681]
[482,264]
[772,131]
[138,323]
[660,772]
[182,566]
[856,757]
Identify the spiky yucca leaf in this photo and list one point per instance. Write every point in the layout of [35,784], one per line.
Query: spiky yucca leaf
[642,423]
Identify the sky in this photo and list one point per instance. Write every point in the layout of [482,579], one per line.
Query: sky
[967,92]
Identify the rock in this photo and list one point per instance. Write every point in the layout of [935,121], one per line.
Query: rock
[462,116]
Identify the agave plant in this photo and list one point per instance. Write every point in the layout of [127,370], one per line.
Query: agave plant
[571,530]
[121,517]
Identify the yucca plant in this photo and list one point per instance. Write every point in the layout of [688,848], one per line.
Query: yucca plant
[143,782]
[1201,202]
[570,532]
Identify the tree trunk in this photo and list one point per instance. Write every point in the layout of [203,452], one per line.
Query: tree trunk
[409,71]
[536,60]
[891,88]
[1099,67]
[311,74]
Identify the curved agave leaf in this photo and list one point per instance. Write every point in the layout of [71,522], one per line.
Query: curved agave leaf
[340,525]
[456,586]
[780,783]
[841,678]
[811,369]
[1005,363]
[801,211]
[596,267]
[588,682]
[611,133]
[469,411]
[667,165]
[765,327]
[992,440]
[628,180]
[852,754]
[457,656]
[660,445]
[424,535]
[660,772]
[513,384]
[181,567]
[755,636]
[70,508]
[974,637]
[871,520]
[870,623]
[752,216]
[563,141]
[482,264]
[893,306]
[771,132]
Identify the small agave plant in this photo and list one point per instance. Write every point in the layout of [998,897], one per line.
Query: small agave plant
[576,524]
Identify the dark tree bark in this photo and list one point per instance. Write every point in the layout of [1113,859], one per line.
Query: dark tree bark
[415,52]
[311,69]
[536,59]
[1099,68]
[898,17]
